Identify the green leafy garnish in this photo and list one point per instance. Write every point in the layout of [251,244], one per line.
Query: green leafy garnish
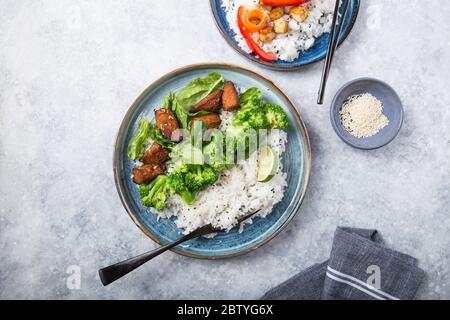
[170,102]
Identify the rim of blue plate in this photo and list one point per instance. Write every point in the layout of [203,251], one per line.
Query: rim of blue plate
[272,66]
[335,125]
[118,174]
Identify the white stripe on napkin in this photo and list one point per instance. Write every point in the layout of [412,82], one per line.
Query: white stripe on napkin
[377,291]
[329,275]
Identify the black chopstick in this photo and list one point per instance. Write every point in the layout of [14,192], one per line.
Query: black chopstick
[332,45]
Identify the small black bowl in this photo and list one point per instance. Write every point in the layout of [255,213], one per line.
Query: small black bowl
[393,109]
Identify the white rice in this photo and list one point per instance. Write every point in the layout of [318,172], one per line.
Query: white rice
[300,37]
[236,194]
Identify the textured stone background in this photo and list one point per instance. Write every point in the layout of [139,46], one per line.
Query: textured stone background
[68,72]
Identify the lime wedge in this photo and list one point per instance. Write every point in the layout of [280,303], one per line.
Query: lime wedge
[267,164]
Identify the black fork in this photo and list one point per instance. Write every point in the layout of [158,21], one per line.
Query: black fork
[116,271]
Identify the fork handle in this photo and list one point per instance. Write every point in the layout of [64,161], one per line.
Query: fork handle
[116,271]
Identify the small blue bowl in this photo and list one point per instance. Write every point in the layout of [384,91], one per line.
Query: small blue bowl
[316,53]
[393,110]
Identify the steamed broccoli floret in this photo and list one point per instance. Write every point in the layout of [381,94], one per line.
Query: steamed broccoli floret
[249,94]
[258,113]
[200,177]
[185,180]
[251,115]
[276,118]
[178,185]
[155,193]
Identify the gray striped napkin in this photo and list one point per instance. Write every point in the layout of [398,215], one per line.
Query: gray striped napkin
[360,268]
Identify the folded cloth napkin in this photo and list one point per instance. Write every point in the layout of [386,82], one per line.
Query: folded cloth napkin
[360,268]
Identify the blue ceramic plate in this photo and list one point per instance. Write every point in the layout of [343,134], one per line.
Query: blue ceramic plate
[314,54]
[393,109]
[296,160]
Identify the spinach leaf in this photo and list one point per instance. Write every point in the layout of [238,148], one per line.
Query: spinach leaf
[139,140]
[184,117]
[170,102]
[199,89]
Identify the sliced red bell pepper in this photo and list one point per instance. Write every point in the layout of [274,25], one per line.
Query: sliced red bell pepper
[281,3]
[265,56]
